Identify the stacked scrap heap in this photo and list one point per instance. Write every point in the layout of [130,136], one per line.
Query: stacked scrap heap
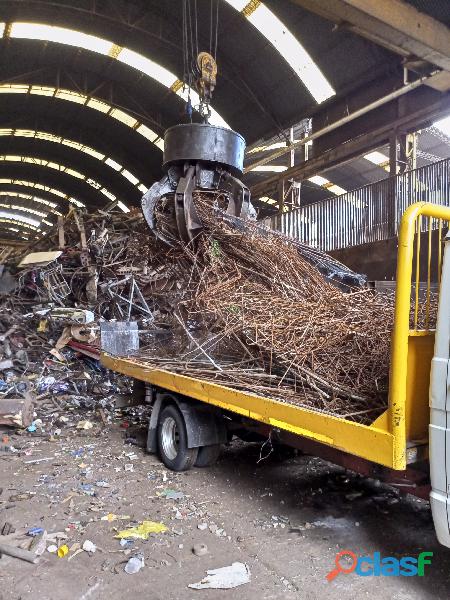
[240,305]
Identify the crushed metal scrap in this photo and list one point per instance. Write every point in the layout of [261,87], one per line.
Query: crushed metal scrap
[239,305]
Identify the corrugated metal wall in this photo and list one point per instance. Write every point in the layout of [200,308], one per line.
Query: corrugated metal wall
[369,214]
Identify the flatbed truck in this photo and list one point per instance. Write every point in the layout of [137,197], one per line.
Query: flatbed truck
[405,445]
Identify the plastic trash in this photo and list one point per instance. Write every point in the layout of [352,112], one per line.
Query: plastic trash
[135,564]
[89,546]
[142,531]
[172,494]
[63,551]
[34,531]
[224,578]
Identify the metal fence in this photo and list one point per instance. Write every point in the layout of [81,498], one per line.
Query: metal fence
[368,214]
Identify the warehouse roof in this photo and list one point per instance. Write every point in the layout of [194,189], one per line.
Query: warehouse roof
[87,89]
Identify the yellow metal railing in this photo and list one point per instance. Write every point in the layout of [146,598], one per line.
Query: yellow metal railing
[408,251]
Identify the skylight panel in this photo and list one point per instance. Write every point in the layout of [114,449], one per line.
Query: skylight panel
[274,146]
[377,158]
[40,90]
[13,88]
[61,35]
[37,186]
[270,168]
[123,117]
[52,190]
[94,183]
[131,178]
[147,66]
[336,189]
[93,103]
[142,188]
[147,132]
[29,210]
[318,180]
[18,217]
[76,202]
[123,207]
[31,198]
[74,173]
[43,135]
[70,96]
[98,105]
[267,200]
[112,163]
[108,194]
[290,49]
[72,144]
[90,151]
[24,133]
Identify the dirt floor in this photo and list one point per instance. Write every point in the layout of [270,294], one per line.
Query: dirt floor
[285,519]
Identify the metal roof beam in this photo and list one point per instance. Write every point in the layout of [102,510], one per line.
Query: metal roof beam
[391,23]
[351,149]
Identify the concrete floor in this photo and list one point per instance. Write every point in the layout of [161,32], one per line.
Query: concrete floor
[286,520]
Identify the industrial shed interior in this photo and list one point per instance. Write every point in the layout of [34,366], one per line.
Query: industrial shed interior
[224,299]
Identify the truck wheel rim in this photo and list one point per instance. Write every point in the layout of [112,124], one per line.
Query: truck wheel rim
[170,438]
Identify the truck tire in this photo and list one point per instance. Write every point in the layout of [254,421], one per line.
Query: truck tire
[172,440]
[207,455]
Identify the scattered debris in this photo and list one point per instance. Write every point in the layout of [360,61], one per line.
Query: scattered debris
[25,555]
[135,564]
[224,578]
[172,494]
[63,551]
[89,546]
[142,531]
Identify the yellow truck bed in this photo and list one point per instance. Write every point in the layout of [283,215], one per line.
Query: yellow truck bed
[372,442]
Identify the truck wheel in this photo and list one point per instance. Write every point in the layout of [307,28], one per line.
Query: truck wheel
[207,455]
[172,441]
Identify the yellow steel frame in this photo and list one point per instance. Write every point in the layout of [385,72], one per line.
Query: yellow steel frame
[382,442]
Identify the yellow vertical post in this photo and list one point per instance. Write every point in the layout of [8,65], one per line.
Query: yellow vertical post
[427,309]
[416,305]
[439,265]
[399,352]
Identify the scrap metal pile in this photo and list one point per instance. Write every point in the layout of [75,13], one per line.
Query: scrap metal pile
[46,365]
[240,305]
[253,310]
[217,296]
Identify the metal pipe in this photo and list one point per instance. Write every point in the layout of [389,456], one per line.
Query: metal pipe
[354,115]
